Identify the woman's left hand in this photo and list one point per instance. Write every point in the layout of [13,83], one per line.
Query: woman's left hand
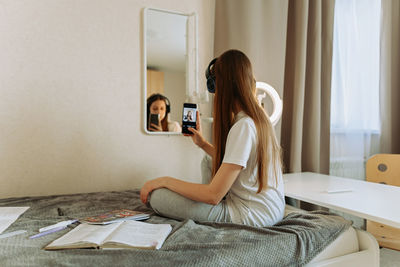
[149,186]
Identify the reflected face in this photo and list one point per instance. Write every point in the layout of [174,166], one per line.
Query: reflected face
[159,107]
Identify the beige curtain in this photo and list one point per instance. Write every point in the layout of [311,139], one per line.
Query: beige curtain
[390,77]
[258,28]
[290,46]
[307,90]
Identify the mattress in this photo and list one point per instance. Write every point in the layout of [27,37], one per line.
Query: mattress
[345,243]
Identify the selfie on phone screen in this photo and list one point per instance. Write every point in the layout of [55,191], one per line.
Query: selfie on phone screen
[188,117]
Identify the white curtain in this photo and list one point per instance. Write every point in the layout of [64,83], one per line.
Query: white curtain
[355,125]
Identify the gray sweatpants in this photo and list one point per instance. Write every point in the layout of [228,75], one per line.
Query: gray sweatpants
[173,205]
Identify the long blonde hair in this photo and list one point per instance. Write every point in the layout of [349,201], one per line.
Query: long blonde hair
[235,87]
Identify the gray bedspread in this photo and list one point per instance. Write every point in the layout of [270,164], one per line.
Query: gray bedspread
[292,242]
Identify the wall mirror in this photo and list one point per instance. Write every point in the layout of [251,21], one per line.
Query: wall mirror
[169,68]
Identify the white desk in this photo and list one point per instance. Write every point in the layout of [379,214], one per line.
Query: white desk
[372,201]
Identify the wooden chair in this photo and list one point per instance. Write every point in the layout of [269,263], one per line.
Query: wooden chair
[385,169]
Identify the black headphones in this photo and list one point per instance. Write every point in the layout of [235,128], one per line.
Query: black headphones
[210,77]
[155,97]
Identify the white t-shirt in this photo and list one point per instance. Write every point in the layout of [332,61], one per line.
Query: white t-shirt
[173,126]
[245,205]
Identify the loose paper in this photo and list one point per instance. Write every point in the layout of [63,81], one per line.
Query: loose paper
[8,215]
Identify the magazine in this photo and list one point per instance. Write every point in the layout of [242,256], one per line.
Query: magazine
[116,216]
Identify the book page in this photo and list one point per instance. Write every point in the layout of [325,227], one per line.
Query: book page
[139,234]
[85,233]
[8,215]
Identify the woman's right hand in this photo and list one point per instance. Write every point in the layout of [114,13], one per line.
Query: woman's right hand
[198,139]
[197,136]
[155,128]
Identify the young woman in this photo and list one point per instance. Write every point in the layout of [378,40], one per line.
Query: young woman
[245,184]
[159,104]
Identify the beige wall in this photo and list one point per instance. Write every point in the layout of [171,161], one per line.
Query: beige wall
[70,91]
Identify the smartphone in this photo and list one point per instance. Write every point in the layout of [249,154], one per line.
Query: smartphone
[154,119]
[189,116]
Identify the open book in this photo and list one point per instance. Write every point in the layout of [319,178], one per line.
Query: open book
[116,216]
[126,234]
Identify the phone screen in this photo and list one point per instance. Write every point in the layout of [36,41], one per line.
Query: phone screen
[189,116]
[154,119]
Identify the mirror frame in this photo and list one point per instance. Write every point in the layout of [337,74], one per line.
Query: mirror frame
[191,63]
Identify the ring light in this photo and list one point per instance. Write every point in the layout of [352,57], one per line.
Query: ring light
[276,100]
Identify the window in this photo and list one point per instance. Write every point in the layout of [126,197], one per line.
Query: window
[355,125]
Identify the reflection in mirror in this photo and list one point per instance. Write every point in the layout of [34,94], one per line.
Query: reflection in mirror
[170,59]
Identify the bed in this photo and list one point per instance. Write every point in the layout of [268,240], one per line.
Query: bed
[301,239]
